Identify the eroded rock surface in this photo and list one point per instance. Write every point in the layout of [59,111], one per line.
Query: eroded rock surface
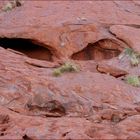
[94,103]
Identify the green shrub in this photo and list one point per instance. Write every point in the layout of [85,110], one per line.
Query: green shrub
[128,51]
[133,80]
[67,67]
[134,56]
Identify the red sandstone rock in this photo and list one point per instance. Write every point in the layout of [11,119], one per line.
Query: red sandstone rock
[82,105]
[130,35]
[108,69]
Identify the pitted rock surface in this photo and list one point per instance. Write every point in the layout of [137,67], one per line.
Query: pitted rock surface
[93,103]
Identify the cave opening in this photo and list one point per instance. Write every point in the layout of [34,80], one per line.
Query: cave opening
[102,50]
[28,47]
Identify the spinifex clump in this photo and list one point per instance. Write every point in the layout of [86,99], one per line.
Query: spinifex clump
[12,4]
[133,56]
[66,67]
[133,80]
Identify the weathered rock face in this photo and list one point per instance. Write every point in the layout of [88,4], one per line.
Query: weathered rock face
[27,47]
[103,49]
[94,103]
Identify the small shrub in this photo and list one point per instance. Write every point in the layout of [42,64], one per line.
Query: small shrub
[57,72]
[134,60]
[11,5]
[128,51]
[133,56]
[133,80]
[7,7]
[67,67]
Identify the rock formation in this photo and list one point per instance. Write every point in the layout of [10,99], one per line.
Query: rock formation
[94,103]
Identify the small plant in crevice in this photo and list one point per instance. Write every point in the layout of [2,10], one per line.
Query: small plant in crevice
[66,67]
[12,4]
[133,80]
[133,56]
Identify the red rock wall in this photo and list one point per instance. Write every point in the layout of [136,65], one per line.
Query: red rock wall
[93,103]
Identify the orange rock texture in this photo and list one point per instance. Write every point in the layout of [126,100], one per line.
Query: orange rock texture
[95,102]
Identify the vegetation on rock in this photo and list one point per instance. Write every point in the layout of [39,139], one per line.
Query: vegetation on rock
[66,67]
[134,56]
[11,5]
[133,80]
